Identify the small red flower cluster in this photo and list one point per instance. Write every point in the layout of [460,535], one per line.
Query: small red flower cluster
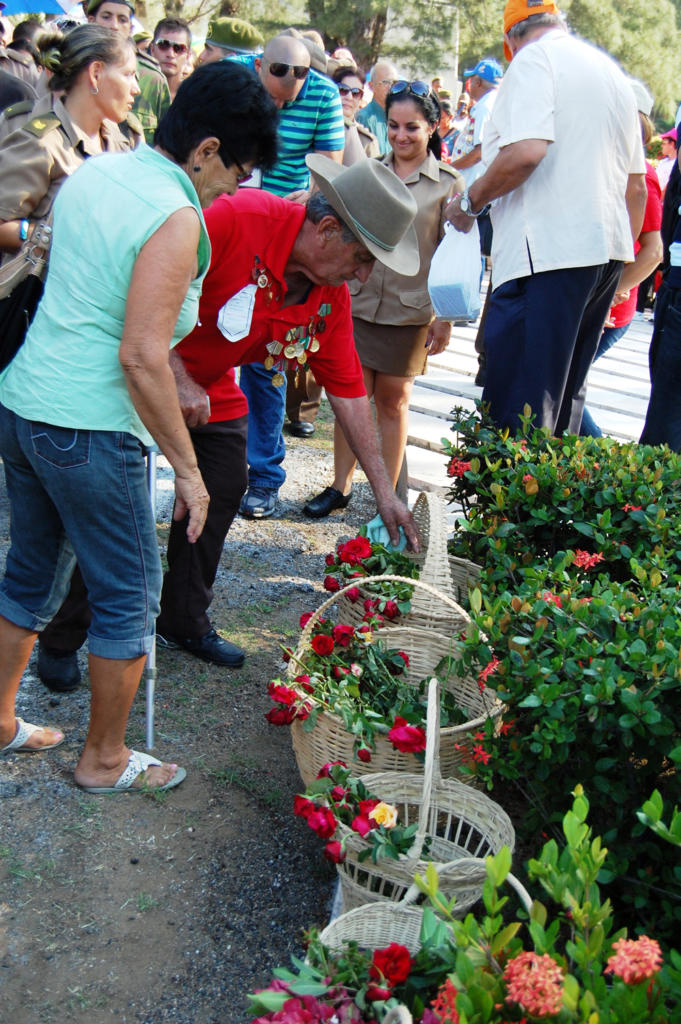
[583,560]
[457,467]
[536,983]
[489,669]
[635,960]
[552,598]
[631,508]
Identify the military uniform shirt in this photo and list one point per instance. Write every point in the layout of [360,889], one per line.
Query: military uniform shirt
[153,99]
[42,150]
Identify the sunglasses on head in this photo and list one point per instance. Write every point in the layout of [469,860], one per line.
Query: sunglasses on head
[168,44]
[347,90]
[280,70]
[417,88]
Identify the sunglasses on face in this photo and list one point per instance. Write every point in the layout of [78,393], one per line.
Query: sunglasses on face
[280,70]
[242,175]
[168,44]
[347,90]
[416,88]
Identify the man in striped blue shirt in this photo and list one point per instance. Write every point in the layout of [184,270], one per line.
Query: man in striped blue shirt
[310,121]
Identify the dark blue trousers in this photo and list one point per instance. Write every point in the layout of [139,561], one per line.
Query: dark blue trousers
[541,335]
[663,419]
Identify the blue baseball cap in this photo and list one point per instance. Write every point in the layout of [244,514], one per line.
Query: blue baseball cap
[488,69]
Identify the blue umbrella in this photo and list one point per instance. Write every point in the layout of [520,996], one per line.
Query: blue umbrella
[37,6]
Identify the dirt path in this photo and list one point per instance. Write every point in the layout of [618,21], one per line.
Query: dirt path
[134,908]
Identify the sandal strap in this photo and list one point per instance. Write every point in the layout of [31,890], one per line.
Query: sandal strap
[24,731]
[138,762]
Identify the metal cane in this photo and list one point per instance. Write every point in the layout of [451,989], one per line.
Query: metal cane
[150,668]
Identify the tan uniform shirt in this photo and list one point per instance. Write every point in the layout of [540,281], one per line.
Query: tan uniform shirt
[38,149]
[19,63]
[390,298]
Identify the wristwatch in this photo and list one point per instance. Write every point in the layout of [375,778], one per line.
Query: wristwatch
[466,206]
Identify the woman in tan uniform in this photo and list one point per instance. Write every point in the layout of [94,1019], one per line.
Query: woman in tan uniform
[359,141]
[93,86]
[393,320]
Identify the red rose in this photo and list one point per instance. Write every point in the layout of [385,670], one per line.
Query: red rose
[390,610]
[281,716]
[286,654]
[353,594]
[325,771]
[343,635]
[330,560]
[410,739]
[354,551]
[322,644]
[282,694]
[302,806]
[367,806]
[362,825]
[334,852]
[339,671]
[370,605]
[364,755]
[303,712]
[375,994]
[331,584]
[304,619]
[391,964]
[304,683]
[322,821]
[405,658]
[338,793]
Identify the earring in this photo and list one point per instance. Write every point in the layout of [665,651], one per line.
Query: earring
[95,90]
[196,168]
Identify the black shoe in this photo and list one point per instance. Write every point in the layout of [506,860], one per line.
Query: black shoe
[299,428]
[326,502]
[211,647]
[58,670]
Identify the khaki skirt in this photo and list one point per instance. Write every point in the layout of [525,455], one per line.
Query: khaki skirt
[399,351]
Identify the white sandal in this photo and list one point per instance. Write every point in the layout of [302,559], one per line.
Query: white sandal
[138,763]
[24,731]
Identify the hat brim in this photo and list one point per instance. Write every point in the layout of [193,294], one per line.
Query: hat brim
[403,259]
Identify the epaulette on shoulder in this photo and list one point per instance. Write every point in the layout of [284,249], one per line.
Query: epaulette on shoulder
[449,169]
[42,124]
[149,63]
[22,107]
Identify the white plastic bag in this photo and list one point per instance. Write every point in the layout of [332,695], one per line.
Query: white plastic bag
[454,277]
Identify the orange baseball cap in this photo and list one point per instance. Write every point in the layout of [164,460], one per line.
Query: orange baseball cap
[518,10]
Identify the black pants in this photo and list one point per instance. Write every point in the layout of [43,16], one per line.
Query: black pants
[188,583]
[541,335]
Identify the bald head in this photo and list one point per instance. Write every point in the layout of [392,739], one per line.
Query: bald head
[287,50]
[283,68]
[383,74]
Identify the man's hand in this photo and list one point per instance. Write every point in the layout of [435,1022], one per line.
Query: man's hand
[461,221]
[191,497]
[394,514]
[193,399]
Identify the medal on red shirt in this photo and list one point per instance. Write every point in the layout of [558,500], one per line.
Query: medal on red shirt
[297,342]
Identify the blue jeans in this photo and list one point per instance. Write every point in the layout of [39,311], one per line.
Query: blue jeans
[609,337]
[266,407]
[80,494]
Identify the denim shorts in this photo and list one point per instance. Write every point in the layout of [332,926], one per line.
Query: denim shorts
[80,494]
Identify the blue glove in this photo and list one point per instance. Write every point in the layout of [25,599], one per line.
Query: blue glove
[377,533]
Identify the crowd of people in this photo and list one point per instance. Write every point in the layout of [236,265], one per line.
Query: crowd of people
[264,208]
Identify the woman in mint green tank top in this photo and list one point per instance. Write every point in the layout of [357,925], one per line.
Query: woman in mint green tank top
[92,385]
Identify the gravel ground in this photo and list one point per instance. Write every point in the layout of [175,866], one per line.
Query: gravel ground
[170,909]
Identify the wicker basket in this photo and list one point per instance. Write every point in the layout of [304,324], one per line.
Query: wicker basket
[329,740]
[448,575]
[463,825]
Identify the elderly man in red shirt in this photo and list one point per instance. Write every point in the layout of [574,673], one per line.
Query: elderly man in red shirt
[276,293]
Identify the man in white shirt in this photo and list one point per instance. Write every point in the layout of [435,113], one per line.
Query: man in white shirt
[483,83]
[565,170]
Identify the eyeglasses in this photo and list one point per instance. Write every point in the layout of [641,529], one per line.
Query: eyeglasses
[242,175]
[168,44]
[346,90]
[417,88]
[280,70]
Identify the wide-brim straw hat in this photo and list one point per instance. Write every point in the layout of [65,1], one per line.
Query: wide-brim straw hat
[375,205]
